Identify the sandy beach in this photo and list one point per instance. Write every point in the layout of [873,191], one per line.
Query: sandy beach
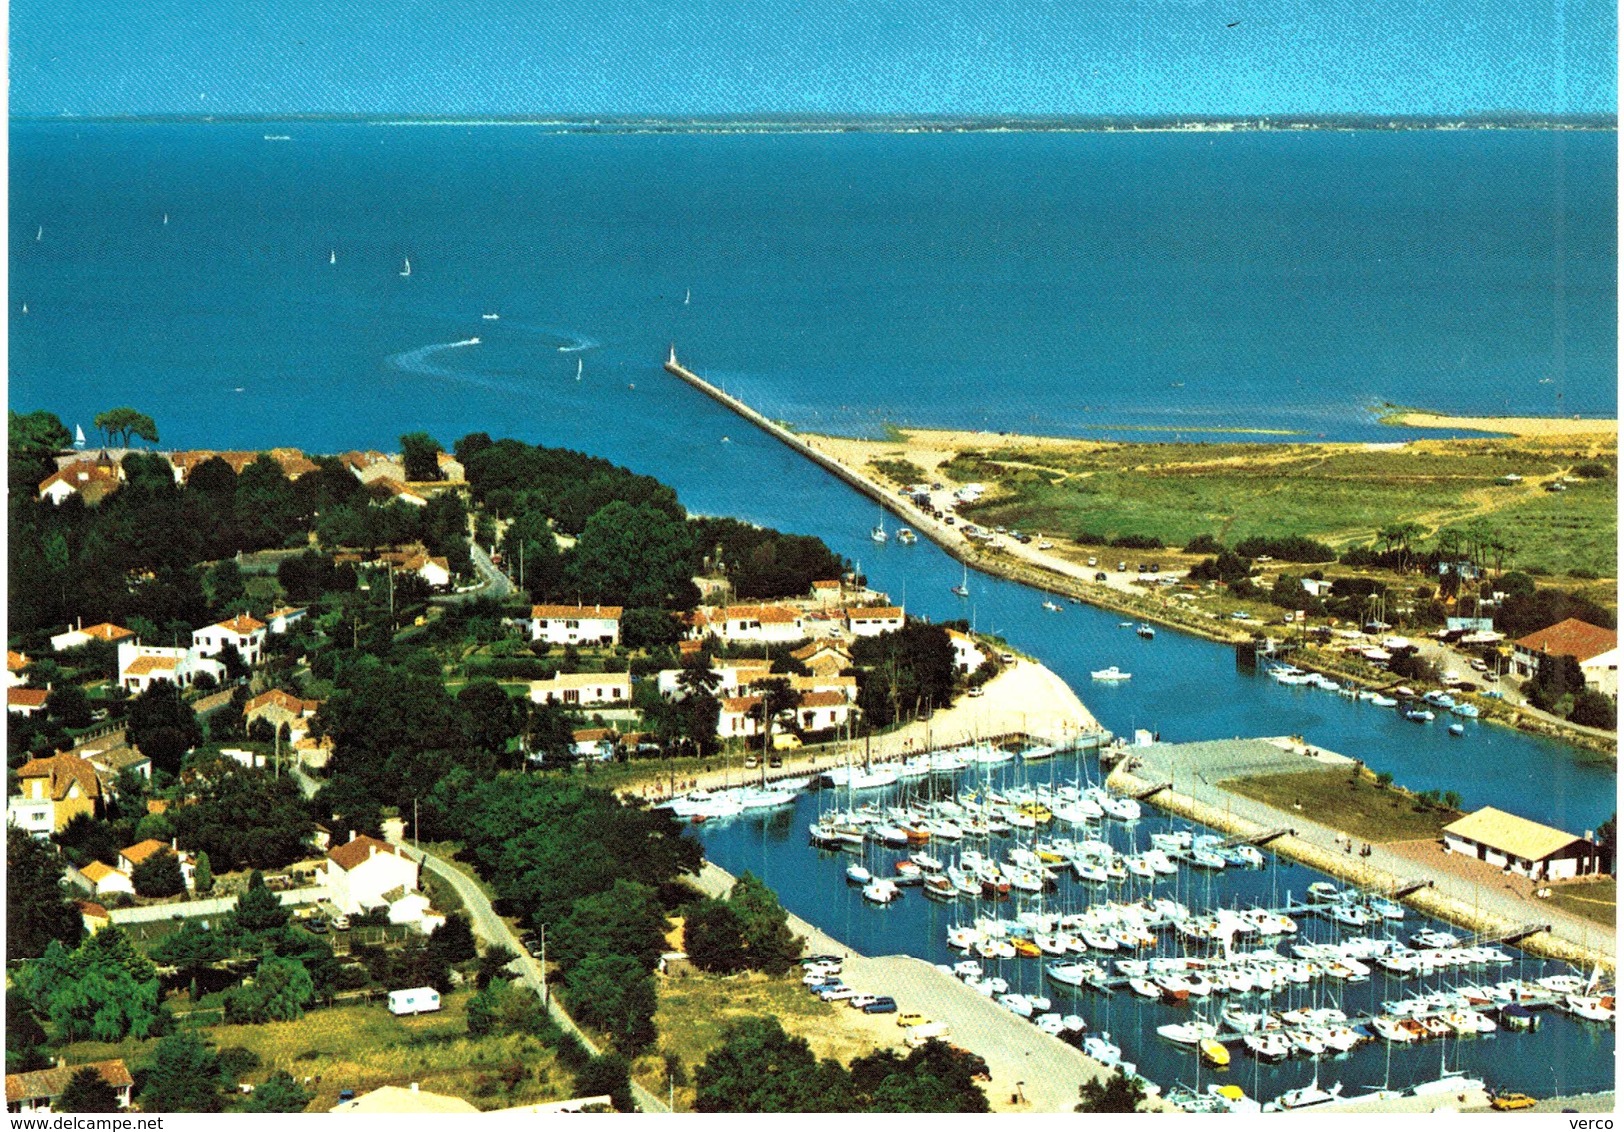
[1539,428]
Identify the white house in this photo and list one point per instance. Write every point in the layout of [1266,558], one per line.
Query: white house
[767,624]
[872,620]
[25,701]
[736,719]
[87,478]
[16,668]
[575,624]
[819,711]
[281,620]
[593,743]
[34,1093]
[103,880]
[79,635]
[360,872]
[246,634]
[579,689]
[732,679]
[435,570]
[1595,648]
[140,666]
[135,855]
[967,655]
[845,686]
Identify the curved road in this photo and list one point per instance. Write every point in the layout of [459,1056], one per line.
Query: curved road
[495,931]
[492,582]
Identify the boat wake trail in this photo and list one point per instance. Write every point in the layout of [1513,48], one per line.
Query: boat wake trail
[420,361]
[577,345]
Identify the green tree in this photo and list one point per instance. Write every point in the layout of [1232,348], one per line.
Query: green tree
[616,994]
[769,944]
[453,941]
[631,556]
[183,1076]
[421,454]
[933,1078]
[158,876]
[714,939]
[280,991]
[494,718]
[37,910]
[258,909]
[759,1068]
[191,950]
[493,965]
[625,920]
[1117,1093]
[68,705]
[31,439]
[1593,709]
[122,423]
[103,990]
[87,1091]
[279,1093]
[607,1075]
[203,875]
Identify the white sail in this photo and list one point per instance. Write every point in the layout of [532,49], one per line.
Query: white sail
[78,436]
[577,369]
[332,257]
[407,269]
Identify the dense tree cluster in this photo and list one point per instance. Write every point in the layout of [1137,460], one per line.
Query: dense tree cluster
[38,912]
[103,990]
[903,673]
[747,931]
[761,562]
[760,1068]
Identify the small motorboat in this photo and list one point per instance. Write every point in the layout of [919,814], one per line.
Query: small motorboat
[1457,729]
[1112,673]
[857,874]
[1188,1033]
[1144,988]
[1145,630]
[1214,1053]
[881,892]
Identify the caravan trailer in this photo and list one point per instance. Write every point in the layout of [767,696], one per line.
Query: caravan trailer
[418,1000]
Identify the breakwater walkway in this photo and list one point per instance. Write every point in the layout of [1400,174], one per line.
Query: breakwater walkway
[1016,561]
[1031,1071]
[1196,772]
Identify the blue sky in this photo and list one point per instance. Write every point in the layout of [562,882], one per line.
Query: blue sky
[839,57]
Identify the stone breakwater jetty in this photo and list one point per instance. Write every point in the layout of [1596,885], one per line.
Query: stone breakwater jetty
[1031,1071]
[1017,563]
[1187,780]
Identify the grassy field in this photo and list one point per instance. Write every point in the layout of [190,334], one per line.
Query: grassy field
[694,1010]
[1595,900]
[363,1047]
[1333,798]
[1337,493]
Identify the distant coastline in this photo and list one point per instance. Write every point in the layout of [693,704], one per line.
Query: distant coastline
[763,124]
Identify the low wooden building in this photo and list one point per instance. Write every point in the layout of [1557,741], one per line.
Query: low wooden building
[1525,847]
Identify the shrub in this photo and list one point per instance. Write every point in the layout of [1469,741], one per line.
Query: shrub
[1204,544]
[1137,542]
[1291,549]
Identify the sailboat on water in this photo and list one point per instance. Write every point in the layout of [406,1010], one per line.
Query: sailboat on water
[407,269]
[40,235]
[686,295]
[332,256]
[878,533]
[78,436]
[963,588]
[577,369]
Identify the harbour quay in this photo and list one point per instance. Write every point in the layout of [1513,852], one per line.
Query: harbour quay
[1187,779]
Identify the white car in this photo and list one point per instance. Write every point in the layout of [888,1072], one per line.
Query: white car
[836,994]
[858,1001]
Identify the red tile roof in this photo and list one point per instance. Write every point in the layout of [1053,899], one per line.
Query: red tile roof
[276,697]
[1578,639]
[766,614]
[107,631]
[15,661]
[141,850]
[92,909]
[25,697]
[242,624]
[740,703]
[362,848]
[821,699]
[52,1082]
[142,665]
[575,612]
[883,612]
[63,770]
[89,476]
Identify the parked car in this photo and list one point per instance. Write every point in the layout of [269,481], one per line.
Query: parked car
[950,520]
[909,1021]
[317,925]
[1511,1102]
[860,1001]
[1093,561]
[1101,577]
[836,993]
[885,1004]
[977,692]
[775,762]
[341,923]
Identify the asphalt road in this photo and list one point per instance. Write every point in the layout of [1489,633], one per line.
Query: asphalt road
[492,582]
[487,924]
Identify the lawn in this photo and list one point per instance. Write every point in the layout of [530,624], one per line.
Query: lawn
[1336,493]
[1333,798]
[695,1009]
[1595,900]
[362,1047]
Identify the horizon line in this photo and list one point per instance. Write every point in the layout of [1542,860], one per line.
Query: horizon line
[874,122]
